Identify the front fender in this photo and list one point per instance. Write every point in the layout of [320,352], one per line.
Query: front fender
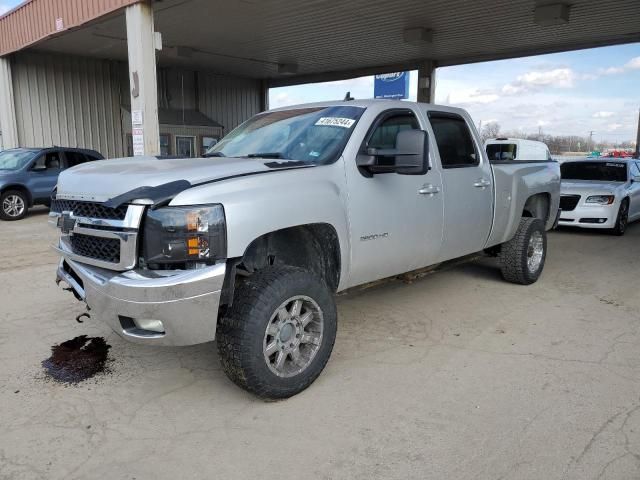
[255,205]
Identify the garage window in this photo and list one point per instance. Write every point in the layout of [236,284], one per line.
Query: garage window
[185,146]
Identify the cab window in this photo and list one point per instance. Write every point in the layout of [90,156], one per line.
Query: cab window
[454,140]
[48,161]
[384,134]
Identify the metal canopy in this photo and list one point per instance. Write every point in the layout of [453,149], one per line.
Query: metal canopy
[330,39]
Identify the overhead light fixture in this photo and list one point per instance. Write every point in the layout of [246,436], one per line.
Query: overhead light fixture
[553,14]
[287,68]
[418,36]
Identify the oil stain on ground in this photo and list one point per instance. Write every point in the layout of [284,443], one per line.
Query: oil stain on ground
[77,359]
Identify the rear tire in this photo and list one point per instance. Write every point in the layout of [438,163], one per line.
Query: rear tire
[14,205]
[522,258]
[278,335]
[622,220]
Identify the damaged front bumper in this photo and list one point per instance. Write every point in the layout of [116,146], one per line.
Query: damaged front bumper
[178,307]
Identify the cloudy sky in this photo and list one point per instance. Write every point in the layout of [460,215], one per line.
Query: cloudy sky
[564,94]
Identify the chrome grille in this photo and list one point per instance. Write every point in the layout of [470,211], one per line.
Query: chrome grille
[98,235]
[98,248]
[89,209]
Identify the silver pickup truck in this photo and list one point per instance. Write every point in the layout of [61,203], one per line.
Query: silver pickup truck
[249,245]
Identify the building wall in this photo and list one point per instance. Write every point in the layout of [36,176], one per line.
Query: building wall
[83,102]
[68,101]
[228,100]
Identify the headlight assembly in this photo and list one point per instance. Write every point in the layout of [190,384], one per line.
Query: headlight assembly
[184,237]
[601,199]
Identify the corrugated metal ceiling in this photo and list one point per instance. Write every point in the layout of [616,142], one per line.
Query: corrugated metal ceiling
[251,37]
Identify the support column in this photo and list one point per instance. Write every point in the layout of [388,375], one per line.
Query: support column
[264,95]
[142,43]
[8,123]
[638,138]
[427,82]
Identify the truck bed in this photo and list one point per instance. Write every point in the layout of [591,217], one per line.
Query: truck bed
[516,181]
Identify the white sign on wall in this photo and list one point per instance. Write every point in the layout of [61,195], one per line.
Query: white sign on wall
[136,118]
[138,142]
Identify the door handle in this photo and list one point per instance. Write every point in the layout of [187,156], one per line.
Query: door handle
[482,183]
[429,189]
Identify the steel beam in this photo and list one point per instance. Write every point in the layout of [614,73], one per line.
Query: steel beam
[8,123]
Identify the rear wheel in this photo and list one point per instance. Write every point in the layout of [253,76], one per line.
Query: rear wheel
[13,205]
[622,220]
[278,335]
[522,258]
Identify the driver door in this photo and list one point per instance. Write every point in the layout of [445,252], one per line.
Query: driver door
[395,220]
[43,175]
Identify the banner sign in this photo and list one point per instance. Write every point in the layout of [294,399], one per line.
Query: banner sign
[391,85]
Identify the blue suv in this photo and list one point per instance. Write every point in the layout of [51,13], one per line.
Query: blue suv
[29,175]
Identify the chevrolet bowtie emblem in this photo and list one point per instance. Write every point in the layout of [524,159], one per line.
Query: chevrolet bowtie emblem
[66,222]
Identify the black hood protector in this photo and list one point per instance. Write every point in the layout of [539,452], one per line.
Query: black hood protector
[162,194]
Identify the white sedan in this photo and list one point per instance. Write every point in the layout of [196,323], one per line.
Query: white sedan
[600,193]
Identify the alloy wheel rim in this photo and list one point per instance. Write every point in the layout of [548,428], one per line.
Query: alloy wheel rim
[293,336]
[13,206]
[535,251]
[622,222]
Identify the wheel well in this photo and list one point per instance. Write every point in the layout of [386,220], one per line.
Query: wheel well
[537,206]
[314,247]
[20,188]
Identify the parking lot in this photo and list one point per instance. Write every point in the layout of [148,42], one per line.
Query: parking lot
[456,375]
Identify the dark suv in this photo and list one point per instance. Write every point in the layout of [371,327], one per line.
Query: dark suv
[29,175]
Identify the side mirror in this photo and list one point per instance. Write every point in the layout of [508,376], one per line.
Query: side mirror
[409,157]
[38,168]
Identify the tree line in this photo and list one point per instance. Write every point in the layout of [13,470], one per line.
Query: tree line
[557,143]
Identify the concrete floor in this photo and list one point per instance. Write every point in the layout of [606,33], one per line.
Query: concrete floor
[456,376]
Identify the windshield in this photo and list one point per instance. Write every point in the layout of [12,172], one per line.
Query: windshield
[15,159]
[602,171]
[502,151]
[310,135]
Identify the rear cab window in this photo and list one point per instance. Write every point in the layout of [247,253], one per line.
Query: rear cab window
[454,141]
[502,151]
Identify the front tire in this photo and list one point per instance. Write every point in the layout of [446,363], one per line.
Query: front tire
[622,220]
[522,258]
[278,336]
[14,205]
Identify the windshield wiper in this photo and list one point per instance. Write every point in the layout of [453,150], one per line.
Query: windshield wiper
[265,155]
[213,154]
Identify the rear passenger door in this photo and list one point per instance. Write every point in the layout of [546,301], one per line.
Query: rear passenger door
[467,185]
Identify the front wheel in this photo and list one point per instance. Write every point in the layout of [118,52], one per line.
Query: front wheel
[622,220]
[13,205]
[522,258]
[277,337]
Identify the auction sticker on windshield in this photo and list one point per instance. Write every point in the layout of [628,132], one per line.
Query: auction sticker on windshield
[336,122]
